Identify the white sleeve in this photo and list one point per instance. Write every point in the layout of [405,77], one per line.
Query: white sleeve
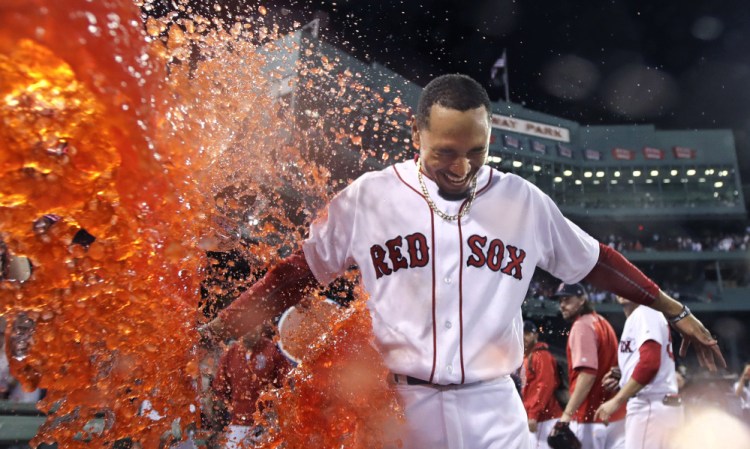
[650,326]
[328,248]
[568,252]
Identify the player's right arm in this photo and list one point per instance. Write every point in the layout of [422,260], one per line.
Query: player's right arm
[584,382]
[282,287]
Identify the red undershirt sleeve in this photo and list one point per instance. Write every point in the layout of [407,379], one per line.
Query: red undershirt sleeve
[614,273]
[649,362]
[282,287]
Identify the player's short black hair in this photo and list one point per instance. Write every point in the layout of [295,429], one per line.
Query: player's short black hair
[454,91]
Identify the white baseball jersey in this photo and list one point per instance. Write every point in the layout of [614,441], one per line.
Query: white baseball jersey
[642,325]
[445,296]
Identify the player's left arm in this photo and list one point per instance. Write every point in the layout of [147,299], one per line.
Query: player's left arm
[645,370]
[614,273]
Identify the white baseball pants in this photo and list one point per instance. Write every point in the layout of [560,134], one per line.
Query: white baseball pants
[483,415]
[600,436]
[649,423]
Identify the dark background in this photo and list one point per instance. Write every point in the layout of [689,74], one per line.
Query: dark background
[676,64]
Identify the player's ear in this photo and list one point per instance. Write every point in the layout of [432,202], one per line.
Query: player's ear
[415,139]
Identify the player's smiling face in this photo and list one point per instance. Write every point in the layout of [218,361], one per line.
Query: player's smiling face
[453,147]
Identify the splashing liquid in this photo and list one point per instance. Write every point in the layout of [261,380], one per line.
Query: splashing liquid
[113,129]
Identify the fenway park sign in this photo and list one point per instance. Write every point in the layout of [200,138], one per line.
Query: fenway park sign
[530,128]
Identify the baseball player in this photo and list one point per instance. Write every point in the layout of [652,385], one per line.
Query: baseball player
[248,366]
[592,353]
[446,247]
[540,381]
[647,382]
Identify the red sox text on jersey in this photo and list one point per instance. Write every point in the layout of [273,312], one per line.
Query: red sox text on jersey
[413,251]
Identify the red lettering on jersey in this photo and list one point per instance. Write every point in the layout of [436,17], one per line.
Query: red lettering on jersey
[418,250]
[516,259]
[377,253]
[495,254]
[476,244]
[394,253]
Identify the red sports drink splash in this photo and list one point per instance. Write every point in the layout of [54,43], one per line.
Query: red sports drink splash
[112,128]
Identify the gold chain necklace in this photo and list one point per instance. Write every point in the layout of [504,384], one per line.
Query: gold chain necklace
[461,213]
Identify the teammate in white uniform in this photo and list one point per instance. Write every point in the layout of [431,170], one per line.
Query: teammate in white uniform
[647,380]
[446,247]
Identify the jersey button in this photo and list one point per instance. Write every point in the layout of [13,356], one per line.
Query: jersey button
[448,324]
[447,280]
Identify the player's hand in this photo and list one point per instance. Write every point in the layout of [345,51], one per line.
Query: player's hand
[211,333]
[607,409]
[706,347]
[746,372]
[533,425]
[611,380]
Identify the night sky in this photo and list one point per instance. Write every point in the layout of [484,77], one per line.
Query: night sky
[674,63]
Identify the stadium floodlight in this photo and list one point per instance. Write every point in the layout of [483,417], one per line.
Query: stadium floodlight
[557,179]
[517,164]
[568,172]
[673,172]
[701,179]
[587,174]
[578,182]
[709,171]
[666,180]
[600,174]
[636,173]
[536,168]
[718,184]
[597,182]
[616,173]
[649,181]
[691,172]
[654,173]
[614,181]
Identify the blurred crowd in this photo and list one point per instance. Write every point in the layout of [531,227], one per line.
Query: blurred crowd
[681,241]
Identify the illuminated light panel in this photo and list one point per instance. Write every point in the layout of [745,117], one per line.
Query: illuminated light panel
[517,164]
[568,172]
[691,172]
[654,172]
[600,174]
[587,174]
[636,173]
[557,179]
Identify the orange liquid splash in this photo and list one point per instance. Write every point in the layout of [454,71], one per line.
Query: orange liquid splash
[114,126]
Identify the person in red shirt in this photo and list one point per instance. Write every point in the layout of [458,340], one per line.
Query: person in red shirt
[540,381]
[592,352]
[247,367]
